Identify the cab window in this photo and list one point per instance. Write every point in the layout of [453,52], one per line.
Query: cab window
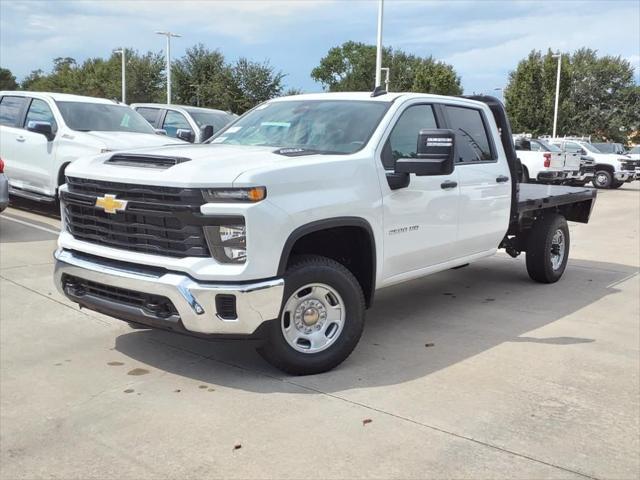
[174,121]
[472,139]
[10,109]
[403,141]
[149,114]
[39,111]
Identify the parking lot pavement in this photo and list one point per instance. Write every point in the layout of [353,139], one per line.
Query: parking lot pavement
[472,373]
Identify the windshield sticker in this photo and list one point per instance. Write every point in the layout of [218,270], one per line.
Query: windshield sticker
[218,140]
[233,129]
[276,124]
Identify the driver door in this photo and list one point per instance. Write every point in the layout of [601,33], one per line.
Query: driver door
[421,219]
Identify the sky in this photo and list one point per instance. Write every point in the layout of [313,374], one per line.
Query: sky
[483,40]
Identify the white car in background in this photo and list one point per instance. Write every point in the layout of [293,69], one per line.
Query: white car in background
[610,170]
[540,161]
[191,124]
[42,133]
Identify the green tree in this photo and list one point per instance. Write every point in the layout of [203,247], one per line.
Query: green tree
[253,83]
[351,67]
[7,80]
[597,95]
[201,76]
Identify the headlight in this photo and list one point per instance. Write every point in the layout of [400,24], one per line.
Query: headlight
[227,243]
[253,194]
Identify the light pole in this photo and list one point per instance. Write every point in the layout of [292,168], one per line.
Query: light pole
[386,77]
[501,90]
[197,87]
[122,52]
[169,35]
[555,110]
[379,45]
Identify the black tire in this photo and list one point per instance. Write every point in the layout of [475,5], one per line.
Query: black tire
[314,269]
[579,183]
[524,178]
[616,184]
[602,179]
[540,248]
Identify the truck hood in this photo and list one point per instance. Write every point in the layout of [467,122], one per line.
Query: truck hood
[127,140]
[208,165]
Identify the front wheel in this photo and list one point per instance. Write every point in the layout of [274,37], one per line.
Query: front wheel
[548,248]
[602,179]
[321,319]
[616,184]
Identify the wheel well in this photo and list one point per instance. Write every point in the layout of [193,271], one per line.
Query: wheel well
[601,166]
[350,245]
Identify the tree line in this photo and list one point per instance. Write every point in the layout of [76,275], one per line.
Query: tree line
[598,95]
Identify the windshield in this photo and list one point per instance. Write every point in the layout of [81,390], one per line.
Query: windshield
[218,120]
[103,117]
[635,150]
[324,126]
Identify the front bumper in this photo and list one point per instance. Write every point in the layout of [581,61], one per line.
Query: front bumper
[132,293]
[624,175]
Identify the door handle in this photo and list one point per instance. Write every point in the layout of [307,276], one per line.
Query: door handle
[20,139]
[502,179]
[448,184]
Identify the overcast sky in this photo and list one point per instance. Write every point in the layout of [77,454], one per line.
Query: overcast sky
[483,39]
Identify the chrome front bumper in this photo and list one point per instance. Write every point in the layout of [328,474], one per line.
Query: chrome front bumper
[195,302]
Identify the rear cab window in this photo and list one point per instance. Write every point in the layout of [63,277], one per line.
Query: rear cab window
[11,110]
[473,143]
[149,114]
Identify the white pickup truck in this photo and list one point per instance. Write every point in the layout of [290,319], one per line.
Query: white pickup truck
[540,161]
[610,170]
[41,133]
[287,222]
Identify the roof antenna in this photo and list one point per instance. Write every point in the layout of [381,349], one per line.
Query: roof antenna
[379,90]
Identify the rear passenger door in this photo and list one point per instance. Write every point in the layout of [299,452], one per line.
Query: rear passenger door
[484,180]
[11,136]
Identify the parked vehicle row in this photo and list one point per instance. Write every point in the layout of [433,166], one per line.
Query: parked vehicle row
[576,161]
[42,133]
[283,225]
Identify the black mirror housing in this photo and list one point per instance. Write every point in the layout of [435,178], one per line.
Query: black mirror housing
[206,132]
[186,135]
[43,128]
[435,154]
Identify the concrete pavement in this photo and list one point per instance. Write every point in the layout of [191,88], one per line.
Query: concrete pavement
[472,373]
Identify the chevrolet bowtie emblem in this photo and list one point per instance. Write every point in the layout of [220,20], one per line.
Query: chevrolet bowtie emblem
[110,204]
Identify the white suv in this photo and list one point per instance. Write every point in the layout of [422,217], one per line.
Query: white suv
[41,133]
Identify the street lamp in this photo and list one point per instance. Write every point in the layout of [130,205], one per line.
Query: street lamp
[555,111]
[169,35]
[379,45]
[386,78]
[501,90]
[122,52]
[197,87]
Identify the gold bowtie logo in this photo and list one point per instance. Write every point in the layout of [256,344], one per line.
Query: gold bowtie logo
[110,204]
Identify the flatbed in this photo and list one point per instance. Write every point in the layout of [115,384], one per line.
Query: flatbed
[533,196]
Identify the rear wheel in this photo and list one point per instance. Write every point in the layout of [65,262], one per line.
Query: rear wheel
[321,319]
[602,179]
[548,248]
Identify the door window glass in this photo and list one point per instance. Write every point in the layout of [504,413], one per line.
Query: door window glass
[149,114]
[174,121]
[10,108]
[472,140]
[39,111]
[403,141]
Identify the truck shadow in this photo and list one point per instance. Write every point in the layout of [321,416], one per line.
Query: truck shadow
[412,331]
[51,210]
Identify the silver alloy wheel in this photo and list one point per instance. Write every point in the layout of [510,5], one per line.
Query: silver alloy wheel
[313,318]
[601,179]
[558,247]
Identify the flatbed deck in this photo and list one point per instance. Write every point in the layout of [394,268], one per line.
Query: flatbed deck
[537,196]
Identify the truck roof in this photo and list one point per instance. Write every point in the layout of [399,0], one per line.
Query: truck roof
[173,106]
[366,96]
[59,97]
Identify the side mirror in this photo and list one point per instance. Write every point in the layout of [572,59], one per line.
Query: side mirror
[435,154]
[43,128]
[160,131]
[206,132]
[186,135]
